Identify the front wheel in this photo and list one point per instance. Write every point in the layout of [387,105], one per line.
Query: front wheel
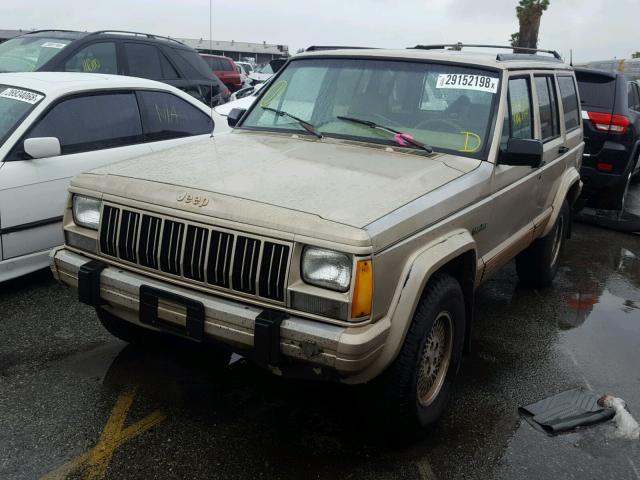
[538,264]
[413,392]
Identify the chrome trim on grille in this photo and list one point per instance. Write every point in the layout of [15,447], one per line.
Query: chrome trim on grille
[197,253]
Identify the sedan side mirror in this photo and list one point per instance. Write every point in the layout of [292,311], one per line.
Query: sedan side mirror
[522,152]
[42,147]
[235,115]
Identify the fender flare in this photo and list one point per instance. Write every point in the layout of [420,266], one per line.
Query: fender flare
[417,272]
[569,179]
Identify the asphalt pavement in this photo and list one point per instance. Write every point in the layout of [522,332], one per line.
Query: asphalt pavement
[75,403]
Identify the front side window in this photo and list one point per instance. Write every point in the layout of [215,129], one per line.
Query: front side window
[92,122]
[15,104]
[28,53]
[517,122]
[569,102]
[548,107]
[445,106]
[166,116]
[143,60]
[95,58]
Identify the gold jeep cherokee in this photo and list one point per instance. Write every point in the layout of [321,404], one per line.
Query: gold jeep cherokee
[341,229]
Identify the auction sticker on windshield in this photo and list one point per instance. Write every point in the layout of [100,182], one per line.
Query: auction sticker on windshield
[53,45]
[22,95]
[467,82]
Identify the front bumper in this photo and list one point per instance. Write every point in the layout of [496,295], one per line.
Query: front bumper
[302,347]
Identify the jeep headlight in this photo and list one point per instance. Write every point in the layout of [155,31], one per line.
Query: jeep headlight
[326,268]
[86,211]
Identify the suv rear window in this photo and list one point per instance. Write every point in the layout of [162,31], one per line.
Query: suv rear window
[596,90]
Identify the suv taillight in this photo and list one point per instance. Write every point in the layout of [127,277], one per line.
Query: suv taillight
[605,122]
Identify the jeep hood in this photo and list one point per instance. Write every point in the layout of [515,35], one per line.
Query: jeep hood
[342,182]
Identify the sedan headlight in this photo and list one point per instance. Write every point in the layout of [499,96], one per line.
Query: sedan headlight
[326,268]
[86,211]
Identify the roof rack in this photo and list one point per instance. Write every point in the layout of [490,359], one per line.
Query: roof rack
[320,48]
[140,34]
[50,30]
[459,46]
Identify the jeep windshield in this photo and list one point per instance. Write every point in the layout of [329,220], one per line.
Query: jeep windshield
[447,107]
[15,105]
[28,53]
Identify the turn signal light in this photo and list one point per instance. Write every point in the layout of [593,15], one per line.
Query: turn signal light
[363,289]
[606,122]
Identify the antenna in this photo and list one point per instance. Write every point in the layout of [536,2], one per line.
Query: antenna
[571,57]
[211,52]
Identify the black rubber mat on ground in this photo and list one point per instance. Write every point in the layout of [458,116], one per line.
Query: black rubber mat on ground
[566,411]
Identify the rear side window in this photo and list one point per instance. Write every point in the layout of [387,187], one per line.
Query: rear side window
[596,90]
[226,65]
[166,116]
[569,102]
[92,122]
[143,60]
[518,122]
[548,107]
[95,58]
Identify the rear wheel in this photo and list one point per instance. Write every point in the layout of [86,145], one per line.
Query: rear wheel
[615,198]
[413,392]
[537,265]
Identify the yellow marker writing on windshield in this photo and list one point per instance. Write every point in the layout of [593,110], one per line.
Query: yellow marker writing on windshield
[273,93]
[476,137]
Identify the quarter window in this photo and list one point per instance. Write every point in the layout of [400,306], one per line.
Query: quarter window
[518,121]
[548,106]
[166,116]
[92,123]
[634,99]
[95,58]
[569,102]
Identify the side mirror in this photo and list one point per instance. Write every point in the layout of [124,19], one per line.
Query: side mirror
[522,152]
[235,115]
[42,147]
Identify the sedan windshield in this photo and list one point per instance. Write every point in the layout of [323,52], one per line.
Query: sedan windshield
[446,107]
[28,53]
[15,105]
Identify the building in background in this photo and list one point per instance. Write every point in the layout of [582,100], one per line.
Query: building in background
[7,34]
[255,52]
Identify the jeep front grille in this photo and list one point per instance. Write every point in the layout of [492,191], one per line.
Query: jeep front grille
[196,253]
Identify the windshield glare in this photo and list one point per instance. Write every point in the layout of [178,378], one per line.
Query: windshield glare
[27,54]
[15,105]
[447,107]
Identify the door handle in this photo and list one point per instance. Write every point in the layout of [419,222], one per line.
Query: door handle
[562,150]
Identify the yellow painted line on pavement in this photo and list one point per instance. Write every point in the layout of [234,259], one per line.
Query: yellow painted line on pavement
[96,461]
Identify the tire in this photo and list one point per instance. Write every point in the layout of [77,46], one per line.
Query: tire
[147,338]
[537,265]
[403,400]
[614,198]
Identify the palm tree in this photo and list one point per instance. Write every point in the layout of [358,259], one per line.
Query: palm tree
[529,14]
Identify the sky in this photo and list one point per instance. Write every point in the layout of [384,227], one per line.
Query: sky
[593,29]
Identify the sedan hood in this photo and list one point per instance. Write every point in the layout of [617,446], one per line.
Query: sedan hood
[337,181]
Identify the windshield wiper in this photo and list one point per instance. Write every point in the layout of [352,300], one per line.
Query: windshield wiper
[400,137]
[306,125]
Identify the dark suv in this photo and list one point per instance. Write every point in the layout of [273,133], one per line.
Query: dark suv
[114,52]
[611,120]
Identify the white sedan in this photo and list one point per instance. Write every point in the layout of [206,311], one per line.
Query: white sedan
[56,125]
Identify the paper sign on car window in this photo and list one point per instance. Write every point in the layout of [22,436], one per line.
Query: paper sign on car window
[53,45]
[22,95]
[467,82]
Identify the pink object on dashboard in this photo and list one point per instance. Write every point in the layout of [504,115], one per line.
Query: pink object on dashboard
[399,138]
